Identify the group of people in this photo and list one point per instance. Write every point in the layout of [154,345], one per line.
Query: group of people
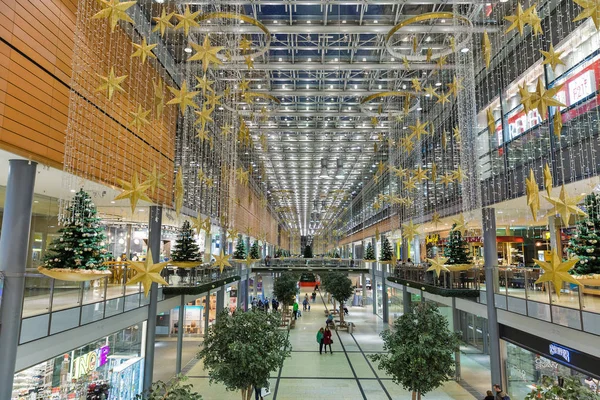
[499,395]
[324,339]
[263,305]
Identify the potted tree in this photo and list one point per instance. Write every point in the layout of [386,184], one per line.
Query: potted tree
[284,289]
[240,250]
[386,251]
[173,390]
[419,350]
[341,289]
[585,243]
[186,252]
[568,388]
[369,253]
[242,349]
[457,251]
[254,251]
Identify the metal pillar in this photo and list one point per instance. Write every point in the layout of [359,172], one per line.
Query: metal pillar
[404,249]
[374,285]
[13,259]
[416,244]
[554,224]
[406,300]
[207,247]
[206,313]
[364,289]
[181,324]
[490,256]
[384,299]
[220,301]
[154,226]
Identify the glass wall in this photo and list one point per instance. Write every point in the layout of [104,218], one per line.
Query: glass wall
[395,304]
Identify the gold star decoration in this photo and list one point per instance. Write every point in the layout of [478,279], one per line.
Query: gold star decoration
[111,83]
[456,134]
[225,130]
[140,117]
[545,98]
[518,20]
[557,123]
[491,121]
[114,11]
[244,85]
[420,174]
[437,265]
[133,190]
[376,205]
[486,49]
[207,225]
[203,116]
[187,20]
[548,179]
[429,90]
[418,129]
[213,99]
[453,44]
[433,172]
[436,218]
[197,223]
[566,205]
[410,184]
[179,191]
[406,63]
[381,167]
[443,98]
[534,20]
[441,62]
[459,174]
[204,84]
[416,84]
[147,273]
[209,182]
[455,86]
[245,44]
[232,233]
[557,272]
[241,176]
[206,53]
[202,135]
[163,22]
[143,51]
[533,194]
[153,179]
[374,121]
[159,97]
[459,224]
[591,9]
[429,54]
[377,234]
[526,98]
[444,139]
[249,61]
[182,97]
[552,57]
[410,231]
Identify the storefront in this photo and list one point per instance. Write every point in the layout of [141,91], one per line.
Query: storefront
[111,366]
[528,359]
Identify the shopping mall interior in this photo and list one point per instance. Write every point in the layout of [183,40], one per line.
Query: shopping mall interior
[178,177]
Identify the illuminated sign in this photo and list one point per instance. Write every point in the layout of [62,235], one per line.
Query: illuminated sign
[581,87]
[556,350]
[89,362]
[432,239]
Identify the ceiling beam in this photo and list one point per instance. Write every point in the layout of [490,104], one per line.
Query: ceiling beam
[332,66]
[291,3]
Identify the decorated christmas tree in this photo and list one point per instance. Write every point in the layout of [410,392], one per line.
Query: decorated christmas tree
[254,251]
[186,248]
[308,251]
[336,254]
[585,242]
[81,243]
[369,253]
[457,248]
[386,250]
[240,250]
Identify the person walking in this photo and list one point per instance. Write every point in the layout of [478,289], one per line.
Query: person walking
[320,335]
[314,296]
[327,339]
[295,309]
[266,305]
[304,304]
[489,395]
[274,304]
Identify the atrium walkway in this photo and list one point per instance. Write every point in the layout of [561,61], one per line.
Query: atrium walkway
[345,374]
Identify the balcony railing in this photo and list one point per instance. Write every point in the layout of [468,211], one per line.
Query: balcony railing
[465,283]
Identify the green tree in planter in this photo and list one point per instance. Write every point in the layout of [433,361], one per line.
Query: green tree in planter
[254,251]
[308,252]
[369,253]
[186,248]
[457,248]
[572,388]
[242,349]
[585,242]
[340,287]
[386,250]
[419,350]
[285,288]
[173,390]
[240,250]
[81,243]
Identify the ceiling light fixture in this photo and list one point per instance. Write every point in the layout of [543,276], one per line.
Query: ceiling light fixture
[188,50]
[464,50]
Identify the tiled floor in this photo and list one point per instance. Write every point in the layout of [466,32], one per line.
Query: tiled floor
[345,374]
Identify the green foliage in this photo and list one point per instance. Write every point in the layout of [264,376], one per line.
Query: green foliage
[173,390]
[572,388]
[254,251]
[242,349]
[386,250]
[340,287]
[186,248]
[240,250]
[457,248]
[585,242]
[308,251]
[81,243]
[285,288]
[336,254]
[369,253]
[419,350]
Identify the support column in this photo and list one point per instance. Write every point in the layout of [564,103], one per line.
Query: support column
[206,313]
[416,244]
[207,247]
[554,224]
[154,227]
[384,299]
[181,324]
[374,285]
[13,259]
[220,300]
[406,300]
[364,289]
[490,257]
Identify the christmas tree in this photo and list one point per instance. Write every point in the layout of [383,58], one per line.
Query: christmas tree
[386,250]
[254,251]
[81,244]
[369,253]
[308,251]
[240,250]
[457,248]
[585,242]
[186,248]
[336,254]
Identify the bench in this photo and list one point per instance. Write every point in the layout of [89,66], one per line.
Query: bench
[346,325]
[292,323]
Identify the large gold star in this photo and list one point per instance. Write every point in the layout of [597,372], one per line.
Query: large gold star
[153,179]
[446,179]
[491,121]
[159,97]
[486,49]
[244,85]
[249,61]
[140,117]
[534,20]
[526,98]
[381,167]
[416,84]
[213,99]
[460,224]
[111,83]
[241,176]
[552,57]
[557,123]
[420,174]
[207,225]
[133,190]
[429,90]
[183,97]
[406,63]
[441,61]
[418,129]
[547,179]
[204,84]
[410,184]
[163,22]
[456,134]
[455,86]
[443,98]
[206,53]
[410,231]
[147,273]
[203,116]
[143,51]
[433,177]
[222,261]
[187,20]
[114,11]
[245,44]
[437,265]
[545,98]
[459,174]
[533,194]
[232,233]
[518,20]
[591,9]
[557,272]
[202,134]
[436,218]
[179,191]
[565,205]
[197,223]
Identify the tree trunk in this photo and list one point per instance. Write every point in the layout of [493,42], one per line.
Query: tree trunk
[342,313]
[414,395]
[244,394]
[419,396]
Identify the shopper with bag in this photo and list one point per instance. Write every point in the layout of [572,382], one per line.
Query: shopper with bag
[320,335]
[327,339]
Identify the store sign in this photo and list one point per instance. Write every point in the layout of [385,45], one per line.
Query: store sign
[556,350]
[581,87]
[432,239]
[89,362]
